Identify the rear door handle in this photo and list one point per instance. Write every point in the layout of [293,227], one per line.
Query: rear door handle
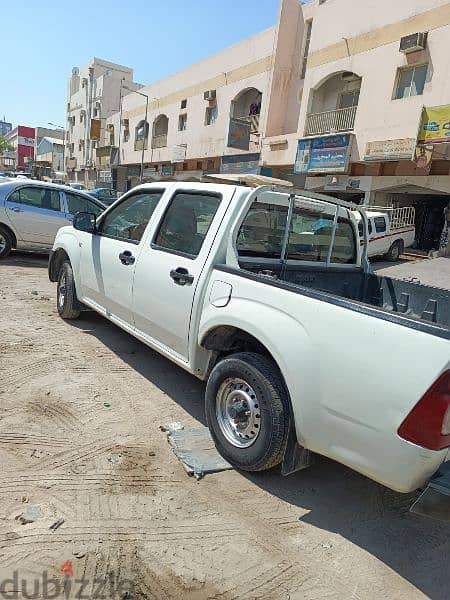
[126,258]
[16,209]
[181,276]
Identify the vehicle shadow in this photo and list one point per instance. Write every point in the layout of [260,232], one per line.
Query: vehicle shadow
[21,258]
[330,496]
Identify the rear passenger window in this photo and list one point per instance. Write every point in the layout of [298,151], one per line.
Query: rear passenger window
[76,203]
[186,222]
[262,231]
[380,224]
[37,197]
[361,228]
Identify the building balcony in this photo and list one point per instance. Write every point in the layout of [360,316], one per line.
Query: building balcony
[159,141]
[331,121]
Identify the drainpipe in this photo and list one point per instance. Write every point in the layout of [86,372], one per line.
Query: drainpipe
[87,142]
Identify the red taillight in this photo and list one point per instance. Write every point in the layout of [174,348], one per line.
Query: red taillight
[428,424]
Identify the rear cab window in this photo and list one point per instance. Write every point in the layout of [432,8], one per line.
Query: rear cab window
[263,236]
[380,224]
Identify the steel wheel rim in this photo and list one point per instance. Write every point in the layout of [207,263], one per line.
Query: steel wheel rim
[238,412]
[395,252]
[2,243]
[62,291]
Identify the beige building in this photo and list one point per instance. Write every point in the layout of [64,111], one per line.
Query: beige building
[93,95]
[331,97]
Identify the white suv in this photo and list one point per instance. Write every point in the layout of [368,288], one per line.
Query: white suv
[31,212]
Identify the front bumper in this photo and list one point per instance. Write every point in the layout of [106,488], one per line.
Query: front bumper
[434,501]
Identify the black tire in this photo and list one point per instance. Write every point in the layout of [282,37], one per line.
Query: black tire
[394,251]
[66,295]
[6,242]
[263,377]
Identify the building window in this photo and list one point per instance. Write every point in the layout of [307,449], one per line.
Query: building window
[211,115]
[348,99]
[411,81]
[182,122]
[308,30]
[141,135]
[183,104]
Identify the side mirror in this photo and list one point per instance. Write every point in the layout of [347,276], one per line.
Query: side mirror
[84,221]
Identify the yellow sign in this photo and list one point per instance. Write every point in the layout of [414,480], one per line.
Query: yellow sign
[435,125]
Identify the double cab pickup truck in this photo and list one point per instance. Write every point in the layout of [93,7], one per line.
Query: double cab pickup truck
[267,295]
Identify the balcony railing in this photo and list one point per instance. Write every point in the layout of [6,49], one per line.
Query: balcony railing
[159,141]
[331,121]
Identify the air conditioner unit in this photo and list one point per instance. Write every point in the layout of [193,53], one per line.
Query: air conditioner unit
[348,76]
[209,95]
[414,42]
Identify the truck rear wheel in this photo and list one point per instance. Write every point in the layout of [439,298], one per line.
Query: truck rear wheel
[66,295]
[248,411]
[395,251]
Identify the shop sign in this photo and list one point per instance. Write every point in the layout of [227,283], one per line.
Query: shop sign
[423,156]
[325,154]
[435,125]
[166,170]
[239,134]
[150,171]
[25,141]
[384,150]
[105,176]
[240,163]
[179,153]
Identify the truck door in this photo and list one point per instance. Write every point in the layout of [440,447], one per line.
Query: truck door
[169,267]
[379,242]
[109,256]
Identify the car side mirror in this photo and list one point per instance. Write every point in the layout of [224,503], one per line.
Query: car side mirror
[85,221]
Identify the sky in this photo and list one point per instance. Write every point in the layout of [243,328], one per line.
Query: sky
[43,40]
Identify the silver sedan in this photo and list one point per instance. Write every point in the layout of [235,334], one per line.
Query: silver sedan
[31,212]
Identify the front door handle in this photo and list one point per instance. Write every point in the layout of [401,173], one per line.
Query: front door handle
[126,258]
[16,209]
[181,276]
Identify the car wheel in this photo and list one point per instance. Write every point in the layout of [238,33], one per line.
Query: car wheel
[6,242]
[248,411]
[66,295]
[394,252]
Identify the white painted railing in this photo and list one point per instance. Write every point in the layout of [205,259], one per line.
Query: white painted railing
[331,121]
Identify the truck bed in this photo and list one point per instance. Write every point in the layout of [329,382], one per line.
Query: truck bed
[427,307]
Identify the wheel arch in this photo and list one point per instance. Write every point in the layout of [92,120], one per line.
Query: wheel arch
[3,225]
[57,258]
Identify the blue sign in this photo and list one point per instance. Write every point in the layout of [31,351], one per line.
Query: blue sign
[326,154]
[240,163]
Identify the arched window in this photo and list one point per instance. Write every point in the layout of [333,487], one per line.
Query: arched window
[141,135]
[159,133]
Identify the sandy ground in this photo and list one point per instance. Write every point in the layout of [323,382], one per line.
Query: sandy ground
[130,511]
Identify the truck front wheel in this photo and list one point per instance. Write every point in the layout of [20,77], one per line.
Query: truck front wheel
[248,411]
[67,301]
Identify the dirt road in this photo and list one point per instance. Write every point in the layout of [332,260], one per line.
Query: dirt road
[80,408]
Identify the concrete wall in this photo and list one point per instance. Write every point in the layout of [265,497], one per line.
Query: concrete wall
[242,66]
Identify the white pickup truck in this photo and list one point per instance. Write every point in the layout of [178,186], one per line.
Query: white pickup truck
[391,230]
[268,296]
